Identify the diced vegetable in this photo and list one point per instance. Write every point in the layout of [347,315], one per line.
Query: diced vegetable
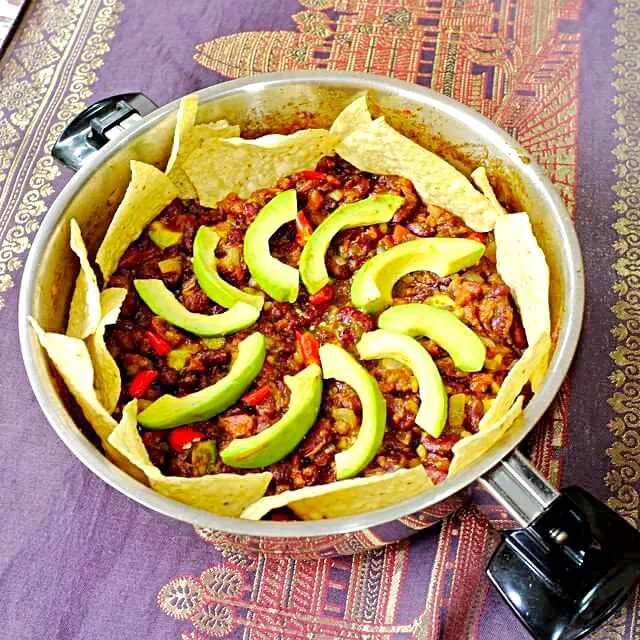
[203,457]
[255,397]
[160,346]
[214,343]
[308,348]
[457,404]
[171,265]
[314,175]
[184,438]
[324,295]
[177,358]
[163,237]
[303,229]
[141,382]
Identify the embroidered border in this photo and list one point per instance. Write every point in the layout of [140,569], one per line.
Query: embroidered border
[46,77]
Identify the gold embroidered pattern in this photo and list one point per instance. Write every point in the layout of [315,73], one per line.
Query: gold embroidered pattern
[624,476]
[46,77]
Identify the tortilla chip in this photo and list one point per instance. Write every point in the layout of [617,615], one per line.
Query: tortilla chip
[346,497]
[243,166]
[148,193]
[378,148]
[469,449]
[226,494]
[185,121]
[70,357]
[354,116]
[523,267]
[518,376]
[194,139]
[107,383]
[481,180]
[84,313]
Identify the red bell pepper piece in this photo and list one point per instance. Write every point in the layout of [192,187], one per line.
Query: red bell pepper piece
[478,237]
[303,229]
[308,347]
[141,382]
[324,295]
[184,438]
[256,397]
[158,343]
[314,175]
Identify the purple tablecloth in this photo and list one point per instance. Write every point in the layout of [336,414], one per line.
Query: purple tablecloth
[80,561]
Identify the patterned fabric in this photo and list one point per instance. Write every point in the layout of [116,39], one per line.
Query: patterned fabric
[78,560]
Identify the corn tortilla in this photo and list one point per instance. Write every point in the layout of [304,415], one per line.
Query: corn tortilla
[519,374]
[108,383]
[226,494]
[523,267]
[243,166]
[345,497]
[187,137]
[148,193]
[354,116]
[481,180]
[84,313]
[469,449]
[378,148]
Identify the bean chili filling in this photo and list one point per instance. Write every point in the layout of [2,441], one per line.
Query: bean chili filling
[183,363]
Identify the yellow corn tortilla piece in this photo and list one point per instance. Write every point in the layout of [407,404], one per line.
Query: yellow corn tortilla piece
[469,449]
[224,165]
[346,497]
[378,148]
[519,374]
[481,180]
[226,494]
[523,267]
[71,359]
[354,116]
[148,193]
[107,383]
[185,121]
[84,313]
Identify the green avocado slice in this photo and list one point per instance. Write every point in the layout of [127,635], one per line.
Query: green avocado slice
[168,411]
[432,415]
[443,327]
[162,236]
[338,364]
[278,279]
[281,438]
[163,303]
[371,210]
[205,270]
[373,283]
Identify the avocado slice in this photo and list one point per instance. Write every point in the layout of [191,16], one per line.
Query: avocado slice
[168,411]
[372,286]
[371,210]
[432,415]
[163,303]
[443,327]
[205,270]
[281,438]
[339,364]
[162,236]
[278,279]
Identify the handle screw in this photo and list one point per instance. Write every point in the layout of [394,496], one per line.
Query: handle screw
[559,536]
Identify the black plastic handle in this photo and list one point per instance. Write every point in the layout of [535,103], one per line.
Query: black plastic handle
[91,129]
[570,569]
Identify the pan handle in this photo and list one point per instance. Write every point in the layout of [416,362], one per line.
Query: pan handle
[93,127]
[571,564]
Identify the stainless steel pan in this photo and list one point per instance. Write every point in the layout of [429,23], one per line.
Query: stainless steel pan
[100,143]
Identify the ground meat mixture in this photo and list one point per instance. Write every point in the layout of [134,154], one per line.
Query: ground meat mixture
[477,296]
